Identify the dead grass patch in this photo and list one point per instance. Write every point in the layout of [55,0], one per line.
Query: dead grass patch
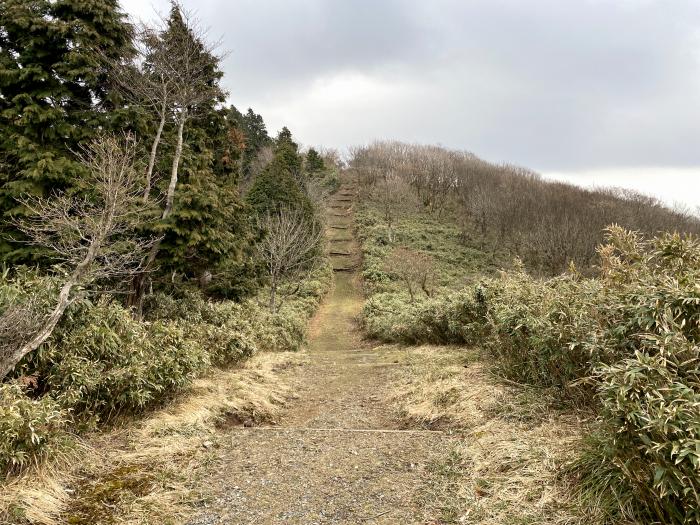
[443,387]
[146,472]
[507,468]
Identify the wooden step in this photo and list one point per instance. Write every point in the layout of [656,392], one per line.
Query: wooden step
[343,254]
[341,240]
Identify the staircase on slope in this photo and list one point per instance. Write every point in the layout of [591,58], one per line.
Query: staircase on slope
[340,224]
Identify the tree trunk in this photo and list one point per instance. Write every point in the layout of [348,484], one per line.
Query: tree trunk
[138,285]
[44,333]
[63,299]
[424,286]
[152,158]
[170,196]
[409,286]
[273,296]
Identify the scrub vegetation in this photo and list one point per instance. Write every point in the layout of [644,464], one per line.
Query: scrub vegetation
[164,256]
[134,207]
[613,337]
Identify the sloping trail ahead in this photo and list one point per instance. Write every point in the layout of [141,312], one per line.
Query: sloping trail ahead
[337,456]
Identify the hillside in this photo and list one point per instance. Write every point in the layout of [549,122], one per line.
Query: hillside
[203,321]
[604,351]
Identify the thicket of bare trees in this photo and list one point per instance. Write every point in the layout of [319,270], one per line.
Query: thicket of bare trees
[289,248]
[548,224]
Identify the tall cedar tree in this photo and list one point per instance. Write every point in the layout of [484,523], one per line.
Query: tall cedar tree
[280,185]
[210,229]
[53,96]
[207,232]
[255,136]
[314,162]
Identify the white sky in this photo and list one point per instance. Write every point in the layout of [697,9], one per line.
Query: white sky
[597,92]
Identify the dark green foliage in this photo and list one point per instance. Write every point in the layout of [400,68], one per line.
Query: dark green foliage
[54,96]
[314,162]
[287,155]
[100,361]
[280,184]
[254,136]
[276,188]
[209,229]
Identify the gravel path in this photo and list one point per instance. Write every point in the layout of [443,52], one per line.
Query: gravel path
[338,455]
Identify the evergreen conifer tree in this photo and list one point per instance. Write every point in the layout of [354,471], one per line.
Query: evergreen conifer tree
[53,96]
[314,162]
[281,184]
[253,128]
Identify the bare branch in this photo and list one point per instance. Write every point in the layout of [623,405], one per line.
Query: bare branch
[92,236]
[289,247]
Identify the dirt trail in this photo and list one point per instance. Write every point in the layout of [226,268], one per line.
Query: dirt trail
[337,455]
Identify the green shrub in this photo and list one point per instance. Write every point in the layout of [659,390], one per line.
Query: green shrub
[650,399]
[651,407]
[101,362]
[457,318]
[27,426]
[626,344]
[223,344]
[542,332]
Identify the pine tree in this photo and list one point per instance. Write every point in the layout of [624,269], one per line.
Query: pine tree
[314,162]
[53,96]
[281,184]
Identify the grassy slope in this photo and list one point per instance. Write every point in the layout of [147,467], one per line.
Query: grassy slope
[458,261]
[506,470]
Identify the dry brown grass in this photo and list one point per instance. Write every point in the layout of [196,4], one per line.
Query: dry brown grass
[146,471]
[443,387]
[507,467]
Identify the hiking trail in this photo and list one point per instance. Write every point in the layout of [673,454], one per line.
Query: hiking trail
[338,454]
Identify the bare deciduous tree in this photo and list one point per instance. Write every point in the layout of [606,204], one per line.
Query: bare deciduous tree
[147,81]
[392,195]
[289,248]
[179,53]
[261,161]
[548,224]
[415,269]
[92,237]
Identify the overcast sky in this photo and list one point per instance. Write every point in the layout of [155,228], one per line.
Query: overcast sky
[593,91]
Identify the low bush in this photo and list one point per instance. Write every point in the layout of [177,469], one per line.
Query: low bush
[650,399]
[625,344]
[457,318]
[27,426]
[100,362]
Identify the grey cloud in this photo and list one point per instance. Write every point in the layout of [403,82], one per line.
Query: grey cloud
[556,85]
